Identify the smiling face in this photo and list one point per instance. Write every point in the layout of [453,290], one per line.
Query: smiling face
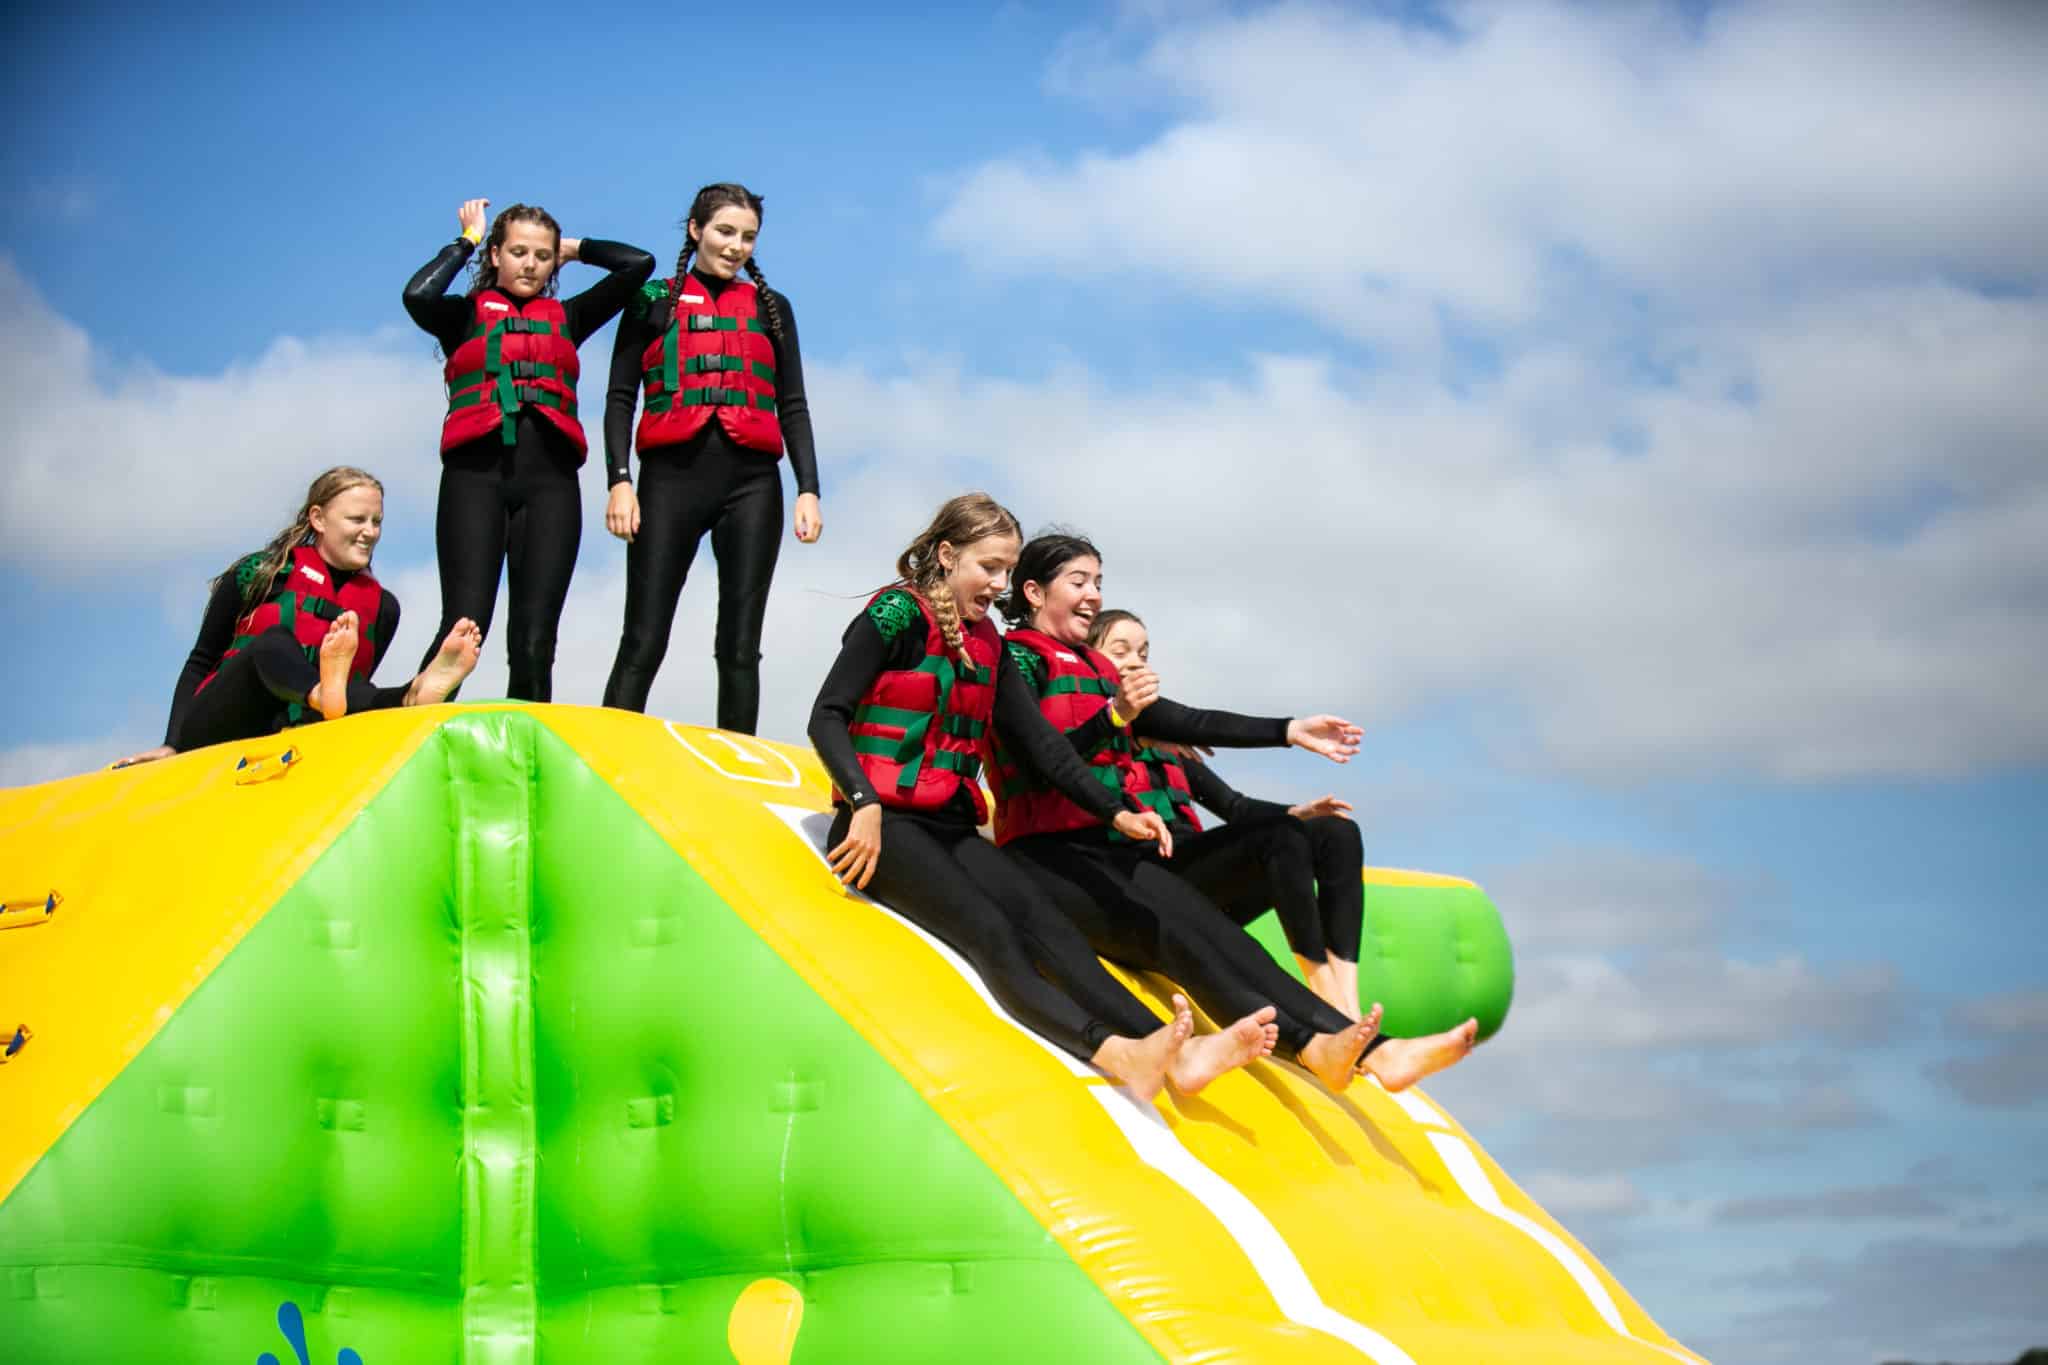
[347,525]
[526,260]
[1127,645]
[1064,607]
[979,572]
[725,243]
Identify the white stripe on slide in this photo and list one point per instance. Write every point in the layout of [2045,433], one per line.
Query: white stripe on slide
[1277,1265]
[1472,1179]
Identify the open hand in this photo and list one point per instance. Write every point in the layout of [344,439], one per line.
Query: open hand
[853,862]
[1322,805]
[1331,736]
[1144,827]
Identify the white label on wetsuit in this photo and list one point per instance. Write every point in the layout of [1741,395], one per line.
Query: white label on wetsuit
[312,573]
[693,298]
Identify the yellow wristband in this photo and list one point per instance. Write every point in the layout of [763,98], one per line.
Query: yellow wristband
[1114,719]
[474,234]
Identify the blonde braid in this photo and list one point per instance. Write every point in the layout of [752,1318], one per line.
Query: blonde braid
[939,598]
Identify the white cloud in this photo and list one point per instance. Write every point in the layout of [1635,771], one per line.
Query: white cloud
[1566,1195]
[1365,171]
[113,463]
[27,764]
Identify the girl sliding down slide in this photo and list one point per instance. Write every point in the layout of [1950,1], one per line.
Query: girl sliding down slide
[1307,868]
[293,632]
[1129,900]
[900,724]
[511,444]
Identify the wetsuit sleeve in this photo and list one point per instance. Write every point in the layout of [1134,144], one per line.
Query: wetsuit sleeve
[1026,732]
[216,633]
[1226,800]
[426,296]
[626,267]
[1169,720]
[792,409]
[864,653]
[1092,733]
[622,392]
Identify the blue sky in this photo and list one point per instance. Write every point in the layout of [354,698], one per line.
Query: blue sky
[1631,414]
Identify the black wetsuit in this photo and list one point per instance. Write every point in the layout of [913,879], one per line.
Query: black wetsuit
[936,869]
[514,507]
[1309,872]
[250,693]
[707,483]
[1135,907]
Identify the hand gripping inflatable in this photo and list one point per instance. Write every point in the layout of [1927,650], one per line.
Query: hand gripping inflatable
[542,1035]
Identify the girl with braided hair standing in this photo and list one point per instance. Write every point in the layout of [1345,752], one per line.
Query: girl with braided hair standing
[901,724]
[293,632]
[718,361]
[512,444]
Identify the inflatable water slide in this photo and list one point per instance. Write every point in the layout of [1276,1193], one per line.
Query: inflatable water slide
[510,1035]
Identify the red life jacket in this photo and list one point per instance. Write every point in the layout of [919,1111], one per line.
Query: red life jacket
[304,598]
[1076,682]
[1166,788]
[515,355]
[714,356]
[918,732]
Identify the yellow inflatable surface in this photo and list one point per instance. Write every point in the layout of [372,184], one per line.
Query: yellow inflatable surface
[404,971]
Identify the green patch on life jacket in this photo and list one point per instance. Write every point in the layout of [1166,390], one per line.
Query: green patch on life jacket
[893,613]
[1030,665]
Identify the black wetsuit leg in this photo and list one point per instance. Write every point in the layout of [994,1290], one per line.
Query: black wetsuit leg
[1133,910]
[1337,849]
[1250,865]
[515,509]
[957,886]
[712,486]
[746,542]
[248,695]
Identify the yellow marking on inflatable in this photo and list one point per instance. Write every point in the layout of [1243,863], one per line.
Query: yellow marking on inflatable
[27,912]
[1364,1202]
[764,1323]
[1401,876]
[105,974]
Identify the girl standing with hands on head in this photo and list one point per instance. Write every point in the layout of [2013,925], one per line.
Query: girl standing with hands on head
[512,442]
[717,359]
[900,724]
[293,632]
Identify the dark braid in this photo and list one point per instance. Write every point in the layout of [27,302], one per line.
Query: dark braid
[768,305]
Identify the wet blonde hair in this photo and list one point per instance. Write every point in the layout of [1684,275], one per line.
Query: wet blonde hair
[959,522]
[275,556]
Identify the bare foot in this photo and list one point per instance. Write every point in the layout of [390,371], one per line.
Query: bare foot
[337,652]
[1202,1060]
[1401,1062]
[1333,1057]
[1139,1064]
[449,666]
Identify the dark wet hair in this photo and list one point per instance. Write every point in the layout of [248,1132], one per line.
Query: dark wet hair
[705,207]
[1110,620]
[1047,553]
[486,276]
